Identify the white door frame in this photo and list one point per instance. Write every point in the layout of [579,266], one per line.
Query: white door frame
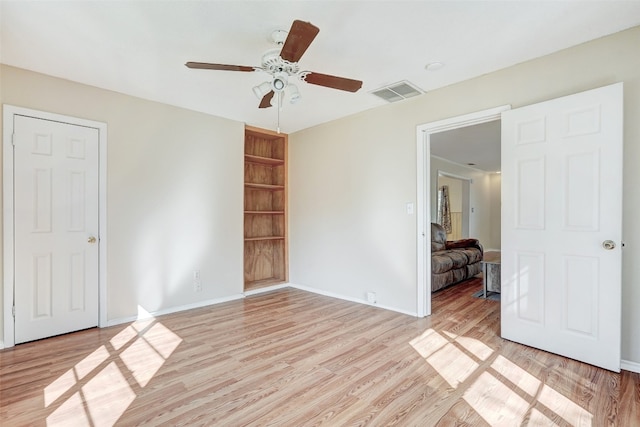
[423,210]
[9,111]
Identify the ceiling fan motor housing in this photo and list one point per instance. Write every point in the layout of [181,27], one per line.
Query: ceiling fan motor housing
[272,63]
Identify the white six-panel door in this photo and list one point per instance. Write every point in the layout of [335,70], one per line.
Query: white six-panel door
[55,228]
[561,225]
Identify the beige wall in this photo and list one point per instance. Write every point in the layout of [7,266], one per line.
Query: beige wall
[455,192]
[174,192]
[350,179]
[479,196]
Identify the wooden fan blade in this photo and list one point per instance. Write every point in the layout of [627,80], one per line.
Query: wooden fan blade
[300,37]
[223,67]
[333,82]
[266,100]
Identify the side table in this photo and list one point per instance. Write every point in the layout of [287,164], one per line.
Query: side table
[490,272]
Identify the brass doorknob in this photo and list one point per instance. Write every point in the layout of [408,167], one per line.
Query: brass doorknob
[608,244]
[91,239]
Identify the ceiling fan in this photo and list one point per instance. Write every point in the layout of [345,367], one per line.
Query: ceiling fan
[282,65]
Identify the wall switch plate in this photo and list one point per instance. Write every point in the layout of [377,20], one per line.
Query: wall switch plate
[409,208]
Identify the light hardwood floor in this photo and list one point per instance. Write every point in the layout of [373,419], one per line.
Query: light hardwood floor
[292,358]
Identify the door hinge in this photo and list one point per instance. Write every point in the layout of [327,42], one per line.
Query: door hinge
[13,139]
[13,311]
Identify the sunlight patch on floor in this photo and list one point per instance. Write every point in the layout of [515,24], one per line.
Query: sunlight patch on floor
[107,395]
[574,414]
[450,361]
[503,393]
[57,388]
[67,380]
[537,418]
[495,402]
[475,347]
[452,364]
[142,361]
[518,376]
[123,337]
[428,343]
[91,362]
[99,397]
[71,412]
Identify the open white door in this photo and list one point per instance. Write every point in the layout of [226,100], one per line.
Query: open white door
[562,226]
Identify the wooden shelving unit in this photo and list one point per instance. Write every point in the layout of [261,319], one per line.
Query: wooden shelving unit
[249,158]
[265,208]
[269,187]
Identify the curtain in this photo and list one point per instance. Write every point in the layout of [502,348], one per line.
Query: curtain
[444,209]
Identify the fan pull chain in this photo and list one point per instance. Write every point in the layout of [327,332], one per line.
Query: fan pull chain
[278,107]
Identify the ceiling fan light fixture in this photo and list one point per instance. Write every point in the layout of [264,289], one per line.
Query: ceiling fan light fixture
[279,82]
[294,94]
[262,89]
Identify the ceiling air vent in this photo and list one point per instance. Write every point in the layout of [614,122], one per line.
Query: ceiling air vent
[397,91]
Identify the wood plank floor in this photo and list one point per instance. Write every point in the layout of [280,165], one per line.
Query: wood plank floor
[293,358]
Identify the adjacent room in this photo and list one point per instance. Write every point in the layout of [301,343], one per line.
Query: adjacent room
[465,200]
[302,213]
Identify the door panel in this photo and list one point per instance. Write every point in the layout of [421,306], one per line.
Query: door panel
[561,199]
[529,287]
[55,214]
[530,200]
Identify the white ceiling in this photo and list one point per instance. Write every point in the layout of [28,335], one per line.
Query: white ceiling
[140,47]
[476,146]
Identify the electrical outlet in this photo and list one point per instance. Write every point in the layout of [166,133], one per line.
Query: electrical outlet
[371,297]
[197,283]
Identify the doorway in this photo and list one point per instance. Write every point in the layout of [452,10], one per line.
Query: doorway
[60,162]
[427,177]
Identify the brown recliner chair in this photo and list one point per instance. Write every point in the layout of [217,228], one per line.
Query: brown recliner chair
[452,261]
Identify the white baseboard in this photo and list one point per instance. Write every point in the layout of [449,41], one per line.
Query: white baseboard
[630,366]
[351,299]
[266,289]
[145,315]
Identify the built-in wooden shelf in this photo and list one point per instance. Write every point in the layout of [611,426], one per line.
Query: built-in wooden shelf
[264,212]
[257,284]
[264,238]
[263,160]
[269,187]
[265,208]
